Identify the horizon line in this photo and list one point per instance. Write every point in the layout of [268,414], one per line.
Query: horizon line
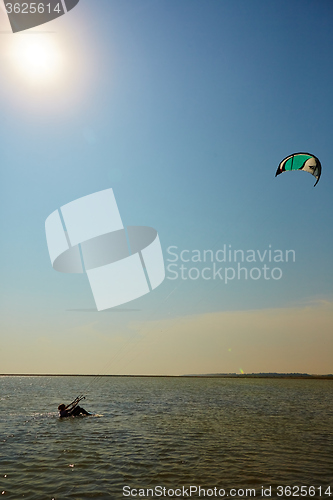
[208,375]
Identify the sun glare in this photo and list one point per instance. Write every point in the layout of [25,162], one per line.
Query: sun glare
[37,58]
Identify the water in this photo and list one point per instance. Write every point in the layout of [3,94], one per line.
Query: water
[168,432]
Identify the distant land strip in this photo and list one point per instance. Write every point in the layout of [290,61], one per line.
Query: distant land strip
[208,375]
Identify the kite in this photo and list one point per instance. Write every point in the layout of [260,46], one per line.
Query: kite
[301,161]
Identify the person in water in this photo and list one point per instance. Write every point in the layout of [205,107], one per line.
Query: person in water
[71,411]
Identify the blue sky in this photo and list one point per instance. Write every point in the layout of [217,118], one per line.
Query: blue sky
[185,109]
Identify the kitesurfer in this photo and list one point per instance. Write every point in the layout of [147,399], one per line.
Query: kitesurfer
[71,410]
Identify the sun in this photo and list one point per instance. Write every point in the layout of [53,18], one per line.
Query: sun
[37,58]
[44,70]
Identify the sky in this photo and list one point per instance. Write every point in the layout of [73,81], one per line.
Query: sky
[185,110]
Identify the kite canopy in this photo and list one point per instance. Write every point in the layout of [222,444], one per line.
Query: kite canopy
[301,161]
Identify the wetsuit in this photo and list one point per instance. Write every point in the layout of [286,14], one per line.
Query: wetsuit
[74,412]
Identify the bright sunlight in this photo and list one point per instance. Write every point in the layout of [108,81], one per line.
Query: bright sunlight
[37,58]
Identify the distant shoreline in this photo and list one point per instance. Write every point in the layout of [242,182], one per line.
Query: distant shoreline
[301,376]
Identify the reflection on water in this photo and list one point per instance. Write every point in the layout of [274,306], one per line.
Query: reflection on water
[171,432]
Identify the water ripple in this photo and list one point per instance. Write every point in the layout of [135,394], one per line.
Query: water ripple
[172,432]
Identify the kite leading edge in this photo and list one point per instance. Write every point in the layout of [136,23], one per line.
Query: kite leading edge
[301,161]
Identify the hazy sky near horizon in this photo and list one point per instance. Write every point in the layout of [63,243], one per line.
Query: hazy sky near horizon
[185,108]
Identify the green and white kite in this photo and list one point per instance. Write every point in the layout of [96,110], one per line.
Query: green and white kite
[301,161]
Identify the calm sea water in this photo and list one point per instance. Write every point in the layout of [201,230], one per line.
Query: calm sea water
[167,432]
